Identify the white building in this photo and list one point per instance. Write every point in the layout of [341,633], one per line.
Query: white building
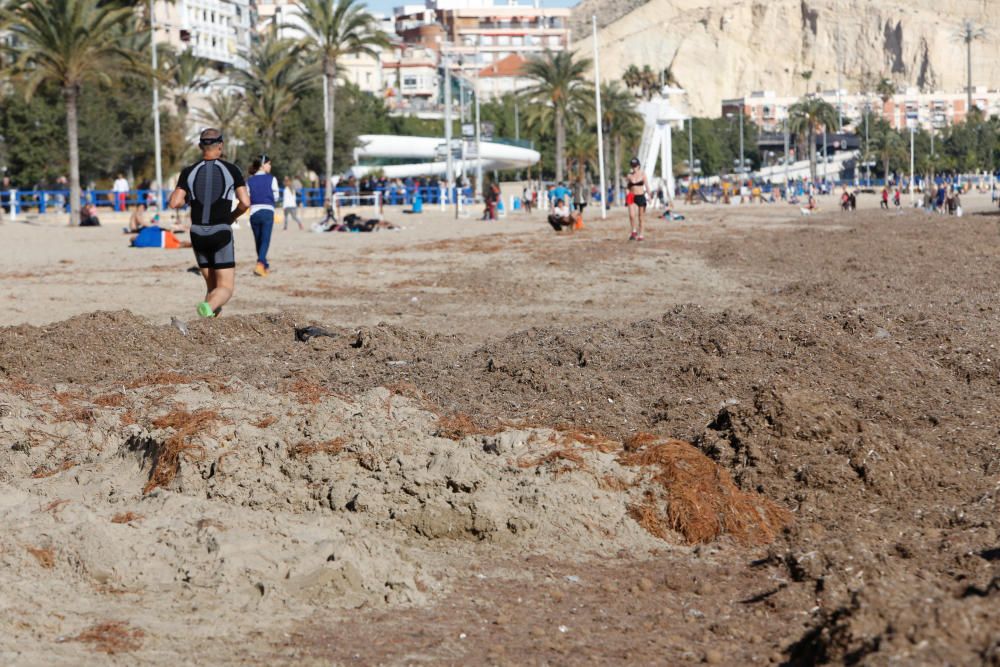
[219,30]
[926,110]
[410,73]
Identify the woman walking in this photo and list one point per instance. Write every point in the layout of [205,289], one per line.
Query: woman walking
[288,203]
[637,185]
[263,196]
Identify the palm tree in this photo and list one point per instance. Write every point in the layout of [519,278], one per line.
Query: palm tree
[622,123]
[223,112]
[333,29]
[69,43]
[808,115]
[969,32]
[581,149]
[558,86]
[185,74]
[885,89]
[273,81]
[632,78]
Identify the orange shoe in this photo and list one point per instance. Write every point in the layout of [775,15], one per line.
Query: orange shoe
[260,269]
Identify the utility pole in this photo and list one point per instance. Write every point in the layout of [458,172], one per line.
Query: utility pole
[912,133]
[449,160]
[785,124]
[690,152]
[840,112]
[742,159]
[156,110]
[479,151]
[868,155]
[600,119]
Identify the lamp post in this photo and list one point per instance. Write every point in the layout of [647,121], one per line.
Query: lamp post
[600,119]
[785,126]
[156,109]
[912,133]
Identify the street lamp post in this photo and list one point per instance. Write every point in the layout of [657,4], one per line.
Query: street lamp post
[156,110]
[690,152]
[742,159]
[912,133]
[785,124]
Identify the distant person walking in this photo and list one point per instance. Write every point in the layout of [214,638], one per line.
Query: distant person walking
[637,186]
[263,196]
[120,188]
[210,186]
[289,205]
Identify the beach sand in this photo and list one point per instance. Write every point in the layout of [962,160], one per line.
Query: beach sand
[488,461]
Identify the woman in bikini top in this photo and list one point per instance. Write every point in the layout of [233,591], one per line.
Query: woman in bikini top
[637,187]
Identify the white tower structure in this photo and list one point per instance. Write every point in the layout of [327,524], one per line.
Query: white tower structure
[657,141]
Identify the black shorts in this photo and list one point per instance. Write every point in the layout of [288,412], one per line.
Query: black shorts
[213,246]
[639,200]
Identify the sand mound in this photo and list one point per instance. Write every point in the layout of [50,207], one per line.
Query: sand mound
[180,492]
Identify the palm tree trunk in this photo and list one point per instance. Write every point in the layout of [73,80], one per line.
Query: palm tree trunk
[71,93]
[812,155]
[560,143]
[329,73]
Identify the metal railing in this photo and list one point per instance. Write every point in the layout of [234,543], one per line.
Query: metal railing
[46,201]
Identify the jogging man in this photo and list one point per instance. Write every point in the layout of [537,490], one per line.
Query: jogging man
[210,186]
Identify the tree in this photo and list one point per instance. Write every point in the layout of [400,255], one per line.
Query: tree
[273,82]
[885,89]
[622,125]
[184,75]
[333,29]
[222,113]
[969,32]
[888,144]
[68,42]
[581,149]
[805,117]
[558,87]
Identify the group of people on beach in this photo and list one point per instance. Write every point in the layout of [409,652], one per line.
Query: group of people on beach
[637,190]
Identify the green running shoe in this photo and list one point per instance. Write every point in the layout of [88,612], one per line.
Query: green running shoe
[205,310]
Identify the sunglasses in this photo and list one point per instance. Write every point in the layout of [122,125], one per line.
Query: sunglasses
[211,141]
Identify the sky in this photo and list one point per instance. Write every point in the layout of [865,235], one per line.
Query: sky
[385,6]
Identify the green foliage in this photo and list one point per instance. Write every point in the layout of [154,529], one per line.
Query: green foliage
[34,134]
[558,94]
[717,144]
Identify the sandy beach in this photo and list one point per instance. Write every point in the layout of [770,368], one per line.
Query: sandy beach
[755,438]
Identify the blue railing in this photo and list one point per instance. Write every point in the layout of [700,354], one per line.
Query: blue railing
[54,200]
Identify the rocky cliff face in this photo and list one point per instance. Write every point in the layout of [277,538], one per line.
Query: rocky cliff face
[727,48]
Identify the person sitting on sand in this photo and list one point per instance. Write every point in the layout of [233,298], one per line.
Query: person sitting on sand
[560,218]
[138,219]
[88,216]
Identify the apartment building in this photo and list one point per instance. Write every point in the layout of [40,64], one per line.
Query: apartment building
[410,73]
[219,30]
[912,107]
[478,33]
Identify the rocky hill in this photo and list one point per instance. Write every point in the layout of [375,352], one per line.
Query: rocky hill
[726,48]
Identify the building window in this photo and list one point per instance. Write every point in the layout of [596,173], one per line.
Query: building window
[554,40]
[486,40]
[503,40]
[517,41]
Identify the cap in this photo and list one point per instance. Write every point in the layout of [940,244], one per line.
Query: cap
[634,162]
